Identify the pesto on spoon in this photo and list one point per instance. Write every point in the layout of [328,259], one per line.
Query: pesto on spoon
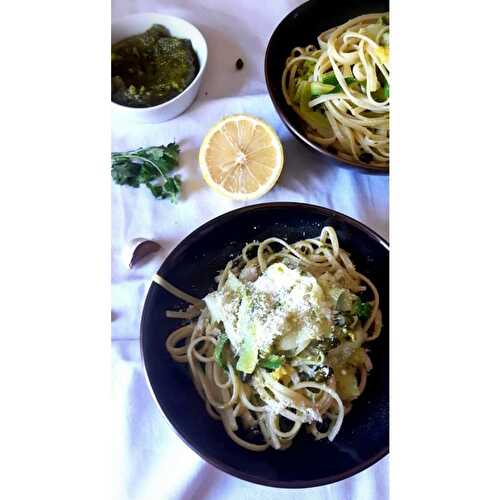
[151,68]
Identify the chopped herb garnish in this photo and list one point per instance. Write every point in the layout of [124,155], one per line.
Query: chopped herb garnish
[362,309]
[150,166]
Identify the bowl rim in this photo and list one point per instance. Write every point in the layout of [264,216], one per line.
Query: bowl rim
[198,76]
[366,168]
[228,469]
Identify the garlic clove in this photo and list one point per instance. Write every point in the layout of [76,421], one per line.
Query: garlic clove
[138,248]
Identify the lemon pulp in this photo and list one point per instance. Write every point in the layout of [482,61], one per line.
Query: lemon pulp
[241,157]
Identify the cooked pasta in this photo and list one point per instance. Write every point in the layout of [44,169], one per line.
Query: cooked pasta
[341,89]
[280,345]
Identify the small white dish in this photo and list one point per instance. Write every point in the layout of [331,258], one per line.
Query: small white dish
[139,23]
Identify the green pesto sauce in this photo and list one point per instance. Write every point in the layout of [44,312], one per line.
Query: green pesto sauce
[151,68]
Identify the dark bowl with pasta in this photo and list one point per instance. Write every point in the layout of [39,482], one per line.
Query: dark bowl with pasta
[300,29]
[363,438]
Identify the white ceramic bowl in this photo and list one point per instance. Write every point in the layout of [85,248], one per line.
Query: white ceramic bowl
[138,23]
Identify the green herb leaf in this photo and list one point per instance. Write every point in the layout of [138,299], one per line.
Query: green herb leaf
[219,348]
[150,166]
[169,189]
[272,362]
[362,309]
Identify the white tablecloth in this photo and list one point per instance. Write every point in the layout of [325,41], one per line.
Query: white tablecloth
[149,460]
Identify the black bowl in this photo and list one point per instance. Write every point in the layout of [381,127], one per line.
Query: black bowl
[299,28]
[192,266]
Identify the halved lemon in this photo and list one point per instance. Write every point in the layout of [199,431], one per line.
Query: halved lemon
[241,157]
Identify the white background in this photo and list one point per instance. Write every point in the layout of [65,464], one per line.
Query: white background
[56,421]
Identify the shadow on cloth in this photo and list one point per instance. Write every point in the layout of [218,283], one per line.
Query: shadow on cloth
[205,482]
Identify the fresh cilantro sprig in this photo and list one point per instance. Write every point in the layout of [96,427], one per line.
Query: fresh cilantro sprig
[150,166]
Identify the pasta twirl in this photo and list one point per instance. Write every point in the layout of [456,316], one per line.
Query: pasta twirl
[280,345]
[341,89]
